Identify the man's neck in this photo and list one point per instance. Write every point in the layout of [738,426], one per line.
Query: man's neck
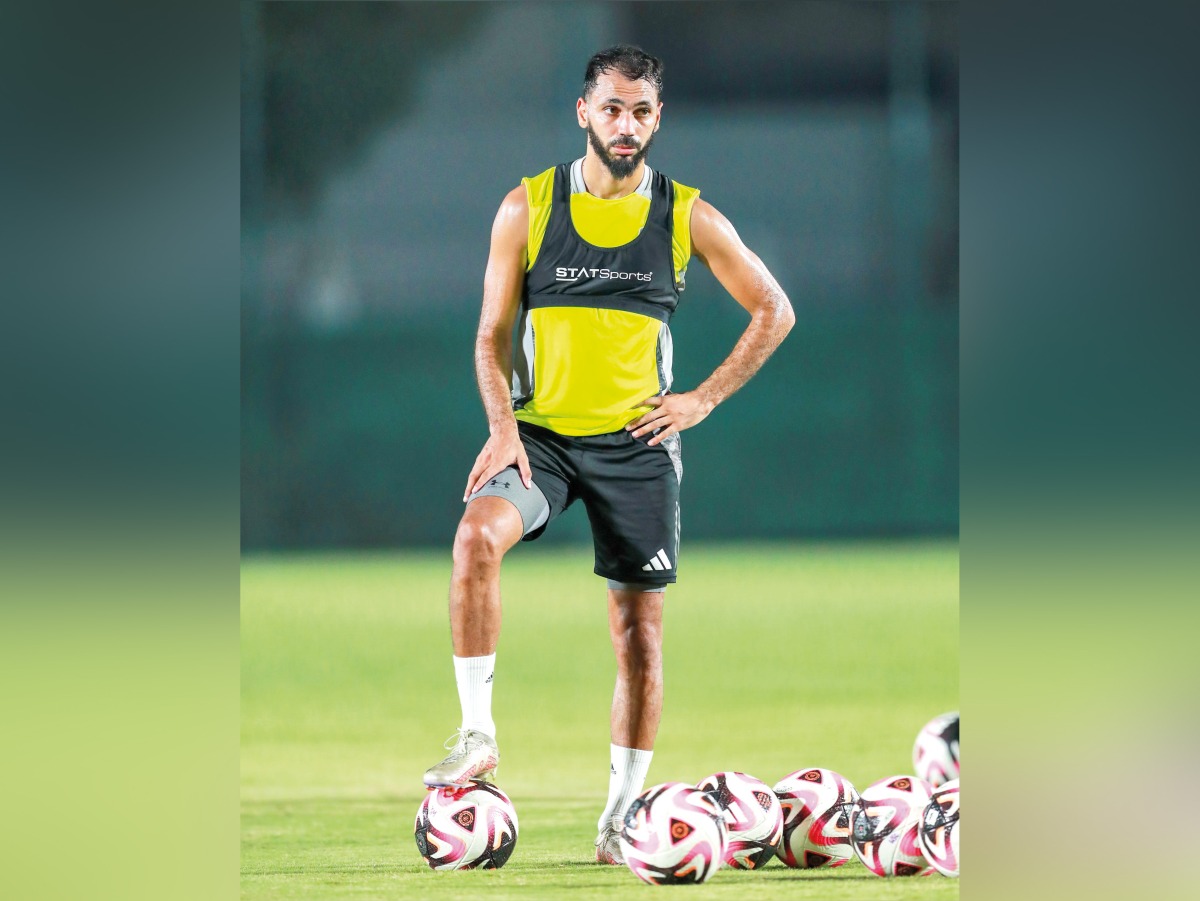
[601,183]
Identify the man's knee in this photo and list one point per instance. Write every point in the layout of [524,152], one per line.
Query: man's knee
[638,643]
[477,542]
[484,539]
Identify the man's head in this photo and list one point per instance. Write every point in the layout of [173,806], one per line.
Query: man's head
[634,63]
[621,106]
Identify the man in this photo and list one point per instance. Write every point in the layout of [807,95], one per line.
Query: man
[591,256]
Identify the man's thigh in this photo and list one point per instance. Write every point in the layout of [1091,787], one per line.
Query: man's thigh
[631,492]
[551,469]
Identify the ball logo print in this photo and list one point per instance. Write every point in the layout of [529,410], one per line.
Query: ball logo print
[816,810]
[752,815]
[672,834]
[864,826]
[466,827]
[679,831]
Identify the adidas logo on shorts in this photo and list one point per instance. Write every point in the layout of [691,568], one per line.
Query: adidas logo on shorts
[658,562]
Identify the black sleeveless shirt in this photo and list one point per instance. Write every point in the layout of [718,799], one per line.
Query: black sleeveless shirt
[638,277]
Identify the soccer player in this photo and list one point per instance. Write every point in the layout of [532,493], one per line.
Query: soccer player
[588,259]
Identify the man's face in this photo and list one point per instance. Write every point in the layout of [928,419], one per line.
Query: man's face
[621,116]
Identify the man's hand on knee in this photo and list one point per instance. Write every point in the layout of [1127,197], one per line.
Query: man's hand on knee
[502,450]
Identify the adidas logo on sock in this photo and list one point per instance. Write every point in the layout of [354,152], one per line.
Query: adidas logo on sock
[612,769]
[658,562]
[489,678]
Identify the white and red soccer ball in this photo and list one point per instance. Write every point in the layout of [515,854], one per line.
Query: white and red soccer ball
[939,829]
[461,828]
[674,833]
[935,752]
[885,824]
[816,807]
[753,817]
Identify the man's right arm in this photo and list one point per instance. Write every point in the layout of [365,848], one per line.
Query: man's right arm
[503,283]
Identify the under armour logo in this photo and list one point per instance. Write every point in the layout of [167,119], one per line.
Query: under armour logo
[495,482]
[612,769]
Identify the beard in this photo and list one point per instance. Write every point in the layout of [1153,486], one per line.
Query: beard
[619,166]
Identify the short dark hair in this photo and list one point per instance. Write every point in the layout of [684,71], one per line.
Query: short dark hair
[632,62]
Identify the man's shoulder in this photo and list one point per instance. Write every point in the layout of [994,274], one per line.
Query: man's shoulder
[684,193]
[685,200]
[539,188]
[545,176]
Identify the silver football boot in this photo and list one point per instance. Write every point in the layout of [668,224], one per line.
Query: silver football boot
[473,756]
[608,848]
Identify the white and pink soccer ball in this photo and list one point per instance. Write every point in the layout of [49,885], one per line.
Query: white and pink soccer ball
[816,807]
[885,824]
[939,829]
[674,833]
[935,752]
[753,817]
[461,828]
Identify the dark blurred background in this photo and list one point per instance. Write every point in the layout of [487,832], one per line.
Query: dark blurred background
[378,141]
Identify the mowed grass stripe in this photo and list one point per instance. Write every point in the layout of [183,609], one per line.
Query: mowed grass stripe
[776,658]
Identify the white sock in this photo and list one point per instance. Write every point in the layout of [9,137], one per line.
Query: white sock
[625,780]
[474,678]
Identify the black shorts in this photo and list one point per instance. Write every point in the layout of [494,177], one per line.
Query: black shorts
[629,489]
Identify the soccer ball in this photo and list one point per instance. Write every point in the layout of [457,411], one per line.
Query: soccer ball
[939,829]
[673,833]
[935,753]
[816,818]
[752,814]
[464,827]
[884,825]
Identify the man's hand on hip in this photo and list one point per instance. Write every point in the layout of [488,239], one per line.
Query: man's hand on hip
[502,450]
[672,413]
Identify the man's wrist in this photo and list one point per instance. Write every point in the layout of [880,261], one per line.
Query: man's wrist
[506,426]
[708,399]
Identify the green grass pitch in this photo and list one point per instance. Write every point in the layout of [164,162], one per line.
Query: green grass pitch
[776,658]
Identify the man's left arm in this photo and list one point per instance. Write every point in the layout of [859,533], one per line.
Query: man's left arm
[743,275]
